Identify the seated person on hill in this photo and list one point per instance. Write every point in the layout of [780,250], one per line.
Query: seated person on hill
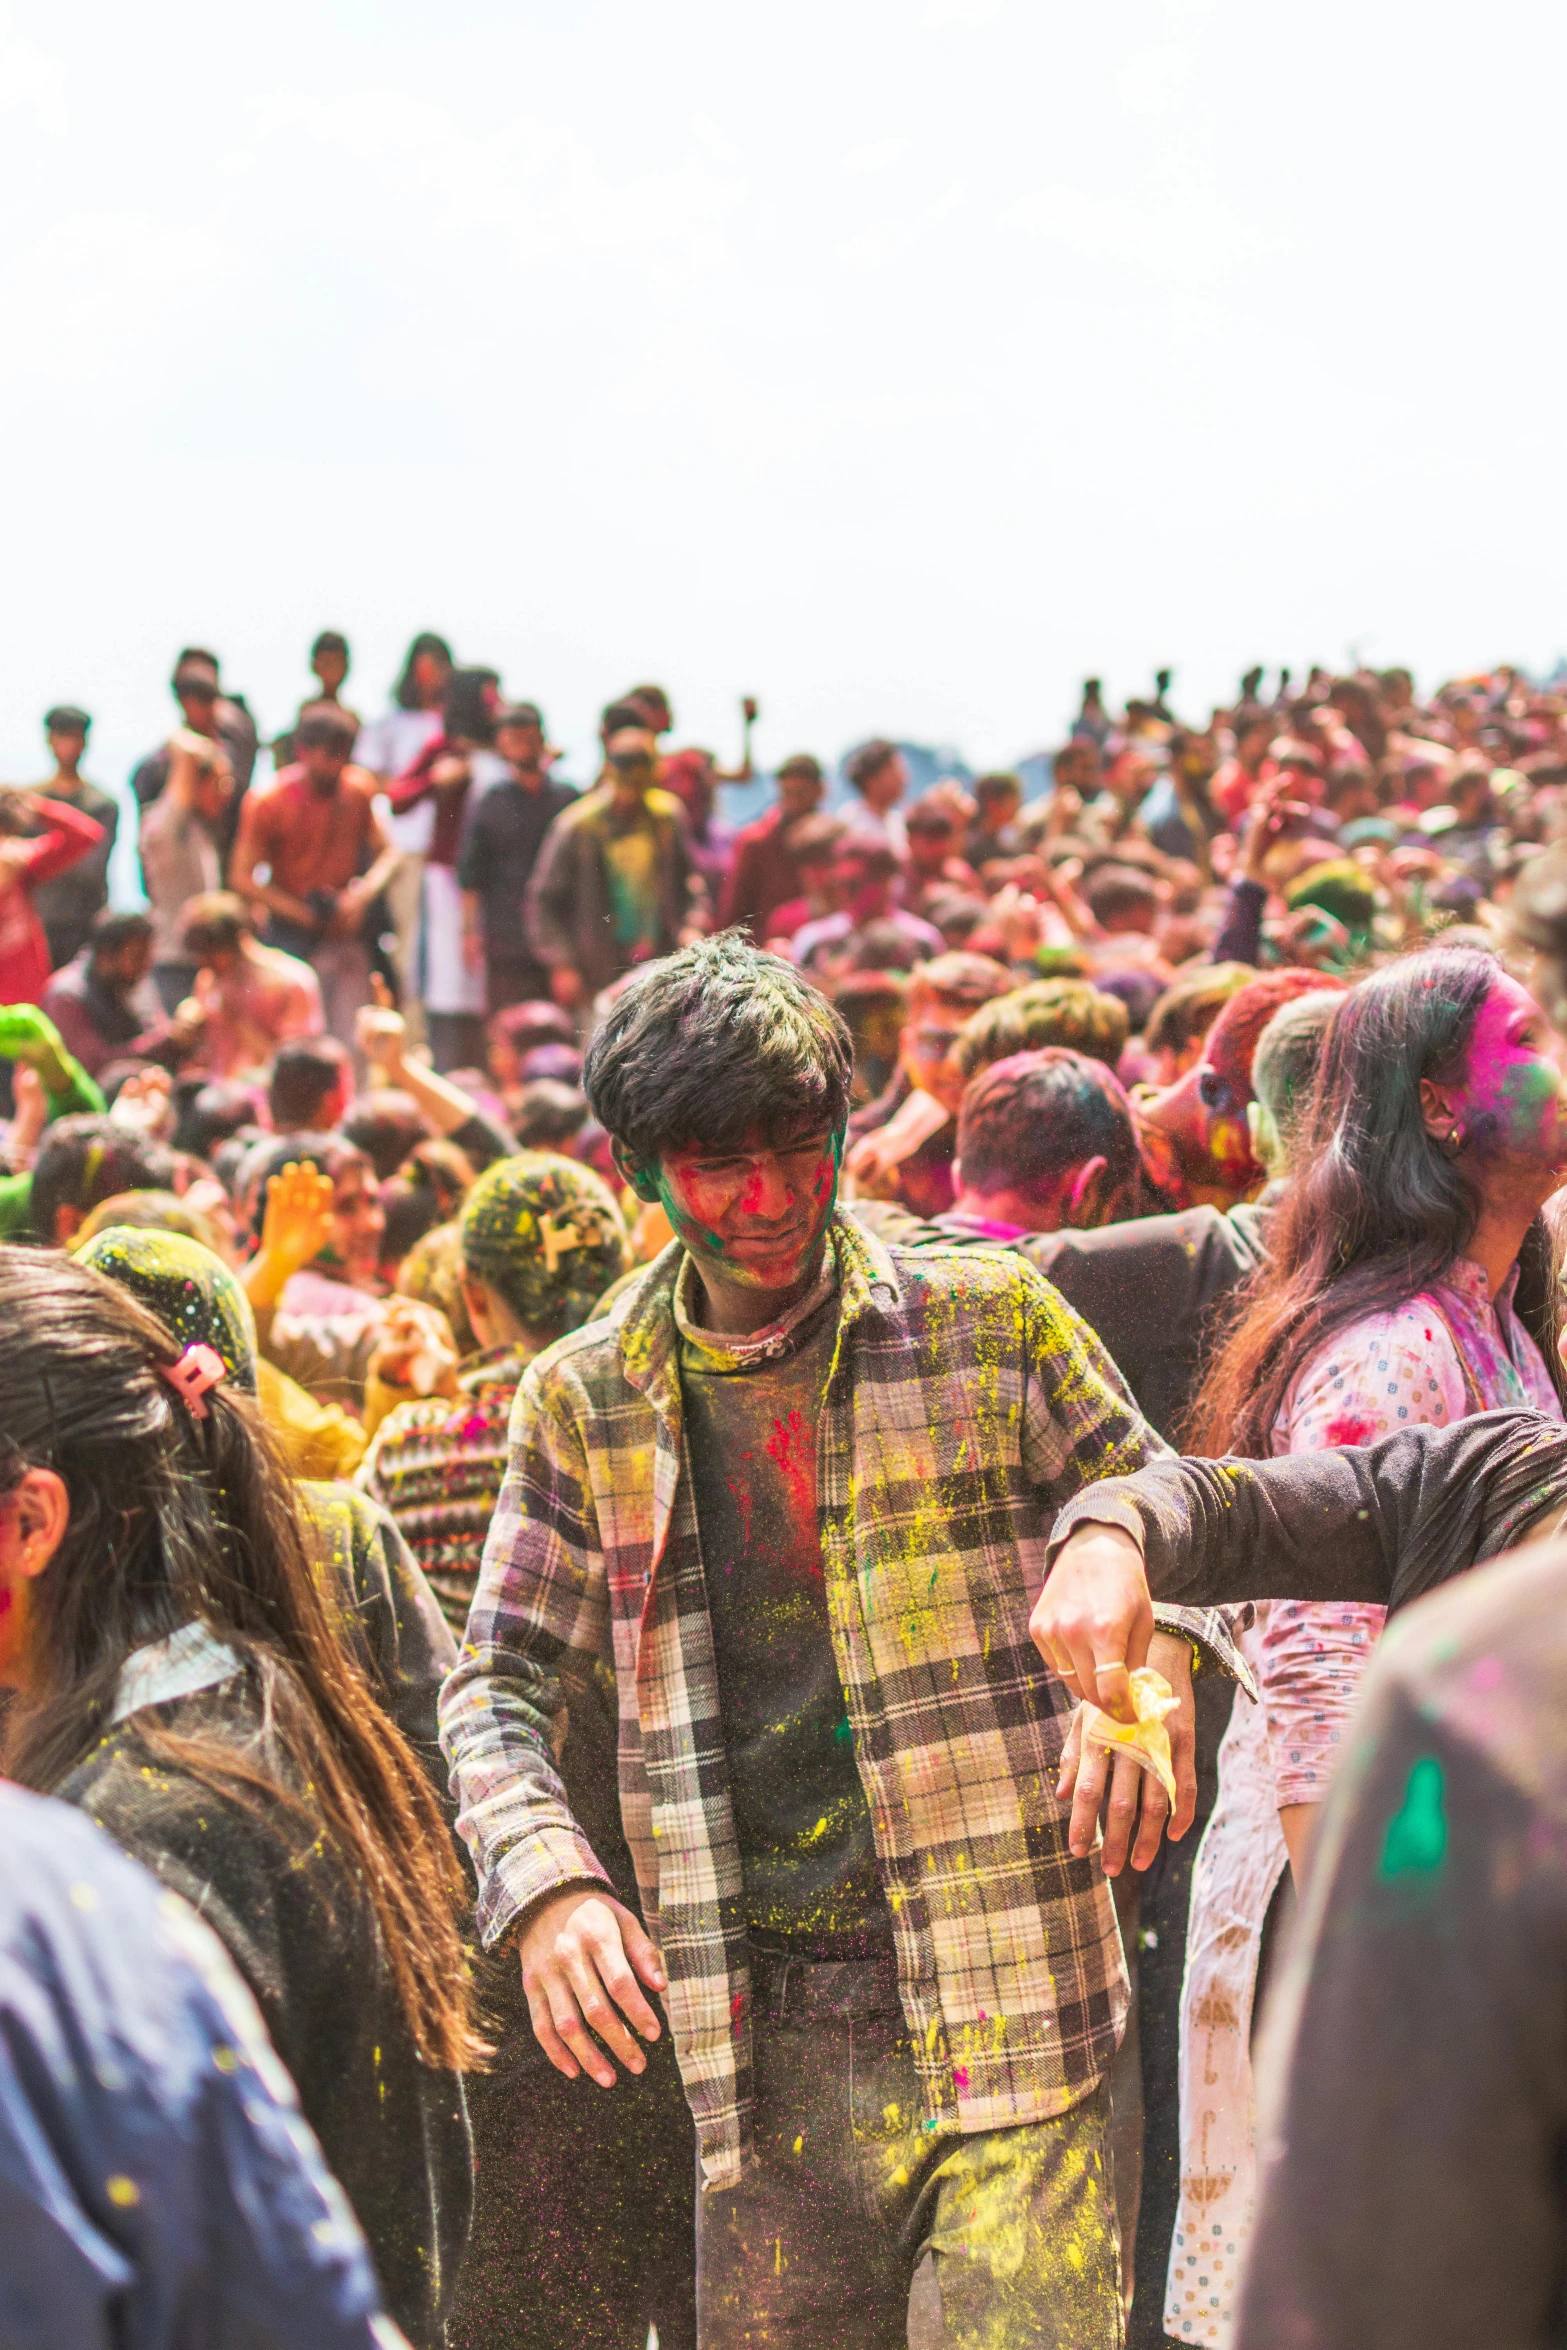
[248,998]
[100,1001]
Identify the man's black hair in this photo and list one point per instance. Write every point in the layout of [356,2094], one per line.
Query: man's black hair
[468,709]
[385,1126]
[304,1074]
[89,1158]
[210,1111]
[66,718]
[711,1042]
[115,927]
[863,765]
[330,640]
[425,642]
[1001,785]
[548,1114]
[326,724]
[618,715]
[1028,1119]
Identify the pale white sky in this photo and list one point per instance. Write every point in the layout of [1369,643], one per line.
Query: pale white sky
[896,360]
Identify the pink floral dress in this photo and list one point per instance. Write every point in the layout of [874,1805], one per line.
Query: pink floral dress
[1437,1358]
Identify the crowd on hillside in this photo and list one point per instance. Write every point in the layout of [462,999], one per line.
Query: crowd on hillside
[543,1336]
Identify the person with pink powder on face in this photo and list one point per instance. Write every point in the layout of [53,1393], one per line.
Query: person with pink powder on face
[1387,1299]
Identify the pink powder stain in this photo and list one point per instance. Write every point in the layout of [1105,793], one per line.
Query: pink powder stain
[1349,1428]
[960,2076]
[1487,1673]
[5,1603]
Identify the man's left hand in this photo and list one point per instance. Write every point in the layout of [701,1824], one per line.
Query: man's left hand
[1138,1808]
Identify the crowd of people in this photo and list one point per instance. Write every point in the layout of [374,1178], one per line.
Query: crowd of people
[718,1504]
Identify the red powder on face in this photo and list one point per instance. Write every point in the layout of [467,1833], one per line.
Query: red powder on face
[1349,1428]
[5,1603]
[751,1197]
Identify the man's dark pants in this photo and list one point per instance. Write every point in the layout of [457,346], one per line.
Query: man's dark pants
[862,2228]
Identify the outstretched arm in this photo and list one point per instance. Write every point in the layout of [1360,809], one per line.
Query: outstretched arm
[1382,1523]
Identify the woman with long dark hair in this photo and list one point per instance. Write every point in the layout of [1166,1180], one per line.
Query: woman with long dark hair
[1403,1263]
[179,1677]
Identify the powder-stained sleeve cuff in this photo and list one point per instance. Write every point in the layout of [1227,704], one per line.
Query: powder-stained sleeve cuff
[1214,1630]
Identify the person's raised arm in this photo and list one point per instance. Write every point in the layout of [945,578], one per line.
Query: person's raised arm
[67,841]
[382,1036]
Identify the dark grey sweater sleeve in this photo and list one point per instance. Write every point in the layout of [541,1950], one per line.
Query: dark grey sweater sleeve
[1380,1523]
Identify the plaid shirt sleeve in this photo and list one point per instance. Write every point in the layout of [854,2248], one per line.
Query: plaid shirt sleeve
[541,1595]
[1081,1425]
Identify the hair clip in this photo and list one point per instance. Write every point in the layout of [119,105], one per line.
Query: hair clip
[198,1368]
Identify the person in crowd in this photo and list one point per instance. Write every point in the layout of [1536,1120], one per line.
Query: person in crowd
[100,1002]
[435,793]
[181,855]
[764,871]
[503,831]
[1195,1138]
[180,1679]
[1182,1016]
[864,885]
[935,868]
[388,746]
[878,775]
[902,1142]
[167,2168]
[814,843]
[310,1087]
[40,839]
[67,903]
[514,1035]
[1385,1297]
[328,859]
[222,718]
[614,885]
[583,2220]
[248,999]
[1045,1141]
[83,1159]
[995,831]
[808,1891]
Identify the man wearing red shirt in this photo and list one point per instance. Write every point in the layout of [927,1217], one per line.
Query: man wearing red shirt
[327,859]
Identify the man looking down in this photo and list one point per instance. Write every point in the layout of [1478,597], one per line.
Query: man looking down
[794,1489]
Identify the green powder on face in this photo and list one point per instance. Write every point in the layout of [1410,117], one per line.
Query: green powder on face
[1417,1835]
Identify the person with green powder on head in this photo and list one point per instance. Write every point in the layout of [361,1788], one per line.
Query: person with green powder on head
[793,1492]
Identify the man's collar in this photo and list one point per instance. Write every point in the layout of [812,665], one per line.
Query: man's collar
[867,1283]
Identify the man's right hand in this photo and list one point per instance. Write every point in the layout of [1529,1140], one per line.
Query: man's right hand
[584,1958]
[1093,1621]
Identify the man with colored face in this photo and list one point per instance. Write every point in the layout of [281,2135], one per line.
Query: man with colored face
[792,1491]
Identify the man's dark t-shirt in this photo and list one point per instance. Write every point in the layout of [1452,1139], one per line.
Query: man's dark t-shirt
[502,836]
[803,1825]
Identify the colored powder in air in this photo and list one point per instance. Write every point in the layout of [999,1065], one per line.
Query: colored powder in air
[1416,1837]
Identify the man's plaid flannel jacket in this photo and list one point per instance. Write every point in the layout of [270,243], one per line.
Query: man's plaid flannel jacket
[965,1404]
